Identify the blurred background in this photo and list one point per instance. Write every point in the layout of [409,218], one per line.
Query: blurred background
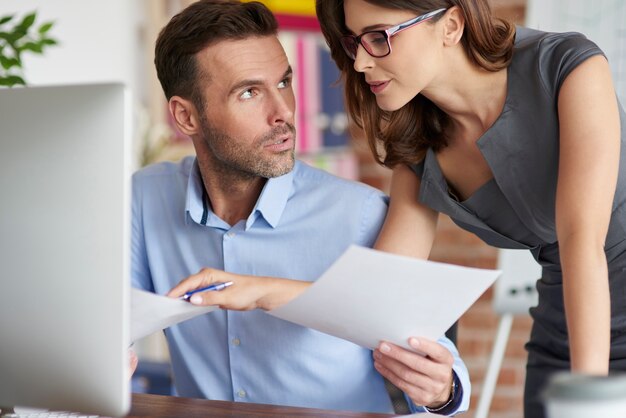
[113,40]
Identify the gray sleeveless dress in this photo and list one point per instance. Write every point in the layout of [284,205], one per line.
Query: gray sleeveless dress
[516,208]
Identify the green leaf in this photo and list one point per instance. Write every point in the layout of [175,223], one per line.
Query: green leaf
[16,39]
[17,34]
[31,46]
[7,62]
[10,38]
[45,27]
[12,80]
[5,19]
[28,21]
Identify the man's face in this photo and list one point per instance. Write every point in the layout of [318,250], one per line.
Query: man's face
[247,124]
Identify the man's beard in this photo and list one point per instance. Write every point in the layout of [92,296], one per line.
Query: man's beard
[232,157]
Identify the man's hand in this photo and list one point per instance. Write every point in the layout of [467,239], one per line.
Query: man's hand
[426,377]
[133,361]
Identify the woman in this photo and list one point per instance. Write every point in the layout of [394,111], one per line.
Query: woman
[513,133]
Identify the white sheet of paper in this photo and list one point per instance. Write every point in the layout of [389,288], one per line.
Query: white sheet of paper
[367,296]
[151,312]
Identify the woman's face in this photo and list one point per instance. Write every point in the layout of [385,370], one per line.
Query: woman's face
[412,65]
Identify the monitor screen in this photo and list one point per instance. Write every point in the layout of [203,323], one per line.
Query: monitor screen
[64,264]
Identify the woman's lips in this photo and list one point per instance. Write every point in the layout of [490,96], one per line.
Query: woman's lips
[378,86]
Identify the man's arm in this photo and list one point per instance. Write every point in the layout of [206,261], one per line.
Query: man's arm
[140,270]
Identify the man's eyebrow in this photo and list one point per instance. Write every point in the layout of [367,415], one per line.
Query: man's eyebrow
[288,73]
[256,82]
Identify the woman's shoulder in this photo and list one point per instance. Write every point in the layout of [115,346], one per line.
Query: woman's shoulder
[557,44]
[551,55]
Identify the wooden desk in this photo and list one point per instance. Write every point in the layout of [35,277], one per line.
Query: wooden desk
[173,407]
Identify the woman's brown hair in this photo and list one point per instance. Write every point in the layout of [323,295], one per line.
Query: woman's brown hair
[407,133]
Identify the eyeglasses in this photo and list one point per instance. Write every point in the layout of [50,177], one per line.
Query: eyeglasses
[377,42]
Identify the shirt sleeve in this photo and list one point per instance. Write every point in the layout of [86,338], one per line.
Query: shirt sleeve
[139,268]
[373,215]
[559,54]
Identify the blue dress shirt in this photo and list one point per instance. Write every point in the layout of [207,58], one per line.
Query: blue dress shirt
[302,222]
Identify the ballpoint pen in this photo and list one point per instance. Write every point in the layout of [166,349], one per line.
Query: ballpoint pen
[213,287]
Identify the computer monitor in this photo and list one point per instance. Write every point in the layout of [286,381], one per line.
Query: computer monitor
[64,237]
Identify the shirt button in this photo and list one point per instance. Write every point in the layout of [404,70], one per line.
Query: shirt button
[236,341]
[230,234]
[242,393]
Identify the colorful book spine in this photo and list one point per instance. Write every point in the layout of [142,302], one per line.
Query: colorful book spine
[334,120]
[303,54]
[308,97]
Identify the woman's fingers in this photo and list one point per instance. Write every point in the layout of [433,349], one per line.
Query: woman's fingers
[204,277]
[245,293]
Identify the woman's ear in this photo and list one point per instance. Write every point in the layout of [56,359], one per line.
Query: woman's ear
[453,25]
[185,115]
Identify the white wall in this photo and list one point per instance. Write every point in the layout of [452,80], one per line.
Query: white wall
[602,21]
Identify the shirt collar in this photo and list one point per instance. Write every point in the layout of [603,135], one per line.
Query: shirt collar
[270,205]
[273,199]
[197,205]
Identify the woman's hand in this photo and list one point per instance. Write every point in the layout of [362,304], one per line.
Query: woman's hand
[246,293]
[426,378]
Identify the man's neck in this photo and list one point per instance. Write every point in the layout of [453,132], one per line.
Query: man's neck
[231,195]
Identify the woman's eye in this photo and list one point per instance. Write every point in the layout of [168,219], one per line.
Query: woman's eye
[378,40]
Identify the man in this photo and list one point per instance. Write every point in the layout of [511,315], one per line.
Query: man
[245,206]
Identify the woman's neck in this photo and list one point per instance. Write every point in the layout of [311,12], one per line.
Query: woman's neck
[472,96]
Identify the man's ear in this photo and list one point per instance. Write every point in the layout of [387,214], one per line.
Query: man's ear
[185,115]
[453,26]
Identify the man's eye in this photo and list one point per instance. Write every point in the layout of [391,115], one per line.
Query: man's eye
[248,94]
[284,84]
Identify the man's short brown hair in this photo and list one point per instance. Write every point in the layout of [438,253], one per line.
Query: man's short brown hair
[198,26]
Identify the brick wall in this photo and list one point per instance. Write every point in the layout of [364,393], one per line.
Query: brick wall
[477,328]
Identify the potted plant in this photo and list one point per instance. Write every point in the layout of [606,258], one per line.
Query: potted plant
[16,38]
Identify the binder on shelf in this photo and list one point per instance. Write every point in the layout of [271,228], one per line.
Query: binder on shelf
[303,54]
[308,92]
[334,118]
